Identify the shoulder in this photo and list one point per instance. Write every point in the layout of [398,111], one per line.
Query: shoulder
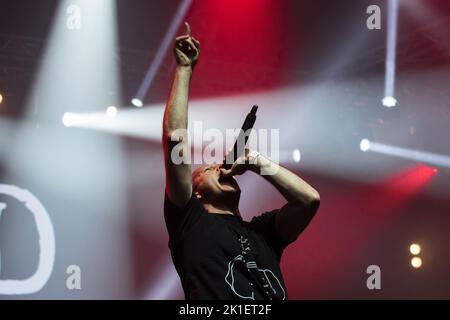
[171,208]
[264,219]
[264,224]
[179,219]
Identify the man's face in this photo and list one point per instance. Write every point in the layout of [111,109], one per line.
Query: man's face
[210,184]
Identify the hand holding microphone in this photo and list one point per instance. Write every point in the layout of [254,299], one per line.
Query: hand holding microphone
[247,162]
[241,141]
[233,163]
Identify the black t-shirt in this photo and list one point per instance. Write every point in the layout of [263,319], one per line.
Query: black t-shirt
[220,256]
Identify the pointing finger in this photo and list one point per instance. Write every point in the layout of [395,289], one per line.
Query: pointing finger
[188,29]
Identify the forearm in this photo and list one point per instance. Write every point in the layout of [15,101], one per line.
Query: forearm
[175,138]
[175,114]
[293,188]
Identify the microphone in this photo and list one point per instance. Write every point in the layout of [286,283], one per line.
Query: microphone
[241,141]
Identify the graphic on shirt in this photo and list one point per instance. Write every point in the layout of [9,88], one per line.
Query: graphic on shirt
[266,278]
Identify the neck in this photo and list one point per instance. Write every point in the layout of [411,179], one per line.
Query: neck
[222,208]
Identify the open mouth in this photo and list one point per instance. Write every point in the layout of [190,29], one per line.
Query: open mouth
[227,181]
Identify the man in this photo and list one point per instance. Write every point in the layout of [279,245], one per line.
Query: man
[216,253]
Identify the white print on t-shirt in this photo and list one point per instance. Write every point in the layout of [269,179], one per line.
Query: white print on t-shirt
[229,278]
[265,274]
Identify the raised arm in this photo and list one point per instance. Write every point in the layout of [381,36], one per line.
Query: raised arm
[302,199]
[178,175]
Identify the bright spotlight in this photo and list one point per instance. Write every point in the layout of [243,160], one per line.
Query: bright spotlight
[364,145]
[391,44]
[296,155]
[389,102]
[414,249]
[67,119]
[178,19]
[416,262]
[429,158]
[137,102]
[1,98]
[111,111]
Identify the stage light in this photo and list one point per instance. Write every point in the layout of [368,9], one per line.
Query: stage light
[93,67]
[364,145]
[414,249]
[429,158]
[296,155]
[389,102]
[416,262]
[67,119]
[137,102]
[391,43]
[111,111]
[1,98]
[167,42]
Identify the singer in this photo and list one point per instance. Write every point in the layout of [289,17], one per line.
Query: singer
[216,253]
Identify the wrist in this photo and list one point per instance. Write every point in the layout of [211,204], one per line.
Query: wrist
[262,162]
[257,161]
[184,69]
